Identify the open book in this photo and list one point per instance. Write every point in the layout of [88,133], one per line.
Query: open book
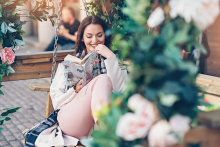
[74,59]
[77,69]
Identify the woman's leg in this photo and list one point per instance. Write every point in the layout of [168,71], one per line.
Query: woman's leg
[75,118]
[61,41]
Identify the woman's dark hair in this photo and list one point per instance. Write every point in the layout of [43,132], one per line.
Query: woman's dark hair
[80,45]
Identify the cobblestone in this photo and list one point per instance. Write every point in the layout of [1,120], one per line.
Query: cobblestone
[32,111]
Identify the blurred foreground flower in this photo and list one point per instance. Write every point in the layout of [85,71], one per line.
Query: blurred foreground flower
[143,107]
[156,17]
[136,125]
[131,127]
[162,133]
[160,136]
[180,124]
[7,55]
[100,109]
[202,12]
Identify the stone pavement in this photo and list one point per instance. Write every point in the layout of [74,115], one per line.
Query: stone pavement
[32,111]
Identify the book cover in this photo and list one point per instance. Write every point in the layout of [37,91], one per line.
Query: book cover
[87,68]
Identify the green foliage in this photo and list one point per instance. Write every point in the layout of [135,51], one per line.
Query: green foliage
[6,113]
[11,31]
[157,71]
[113,18]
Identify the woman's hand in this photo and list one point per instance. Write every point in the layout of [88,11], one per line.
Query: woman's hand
[104,51]
[78,86]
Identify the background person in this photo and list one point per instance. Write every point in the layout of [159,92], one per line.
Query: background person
[68,28]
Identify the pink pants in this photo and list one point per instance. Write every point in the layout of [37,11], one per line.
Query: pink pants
[76,118]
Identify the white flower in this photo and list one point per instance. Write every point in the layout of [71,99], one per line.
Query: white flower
[156,17]
[180,124]
[202,12]
[159,135]
[131,127]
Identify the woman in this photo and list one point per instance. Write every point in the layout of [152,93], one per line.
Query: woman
[76,104]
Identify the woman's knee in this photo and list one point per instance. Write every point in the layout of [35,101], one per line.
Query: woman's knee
[104,79]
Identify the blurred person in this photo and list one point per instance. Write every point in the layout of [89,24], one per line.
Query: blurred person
[68,29]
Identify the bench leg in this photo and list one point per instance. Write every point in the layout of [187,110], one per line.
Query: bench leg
[49,106]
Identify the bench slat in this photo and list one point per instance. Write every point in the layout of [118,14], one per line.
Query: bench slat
[39,87]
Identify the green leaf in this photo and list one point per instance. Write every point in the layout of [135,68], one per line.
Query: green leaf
[4,28]
[20,42]
[167,32]
[7,118]
[11,29]
[32,17]
[9,70]
[4,113]
[1,129]
[168,100]
[21,32]
[200,47]
[1,92]
[13,108]
[2,118]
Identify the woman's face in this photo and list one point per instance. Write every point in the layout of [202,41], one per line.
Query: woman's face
[92,36]
[66,16]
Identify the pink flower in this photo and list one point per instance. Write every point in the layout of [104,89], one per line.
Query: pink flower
[159,135]
[136,125]
[180,124]
[7,55]
[142,107]
[131,127]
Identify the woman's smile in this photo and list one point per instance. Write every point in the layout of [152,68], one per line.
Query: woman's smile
[93,35]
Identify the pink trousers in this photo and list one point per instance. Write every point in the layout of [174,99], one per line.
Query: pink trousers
[76,118]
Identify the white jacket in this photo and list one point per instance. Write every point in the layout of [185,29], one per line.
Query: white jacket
[57,88]
[53,136]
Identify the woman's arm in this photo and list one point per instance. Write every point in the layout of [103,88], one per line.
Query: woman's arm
[57,89]
[116,74]
[69,36]
[113,69]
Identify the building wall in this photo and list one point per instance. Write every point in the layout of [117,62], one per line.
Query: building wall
[213,61]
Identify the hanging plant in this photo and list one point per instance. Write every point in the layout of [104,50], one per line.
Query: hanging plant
[11,34]
[108,10]
[161,98]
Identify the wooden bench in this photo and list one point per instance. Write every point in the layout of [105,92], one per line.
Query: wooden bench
[37,65]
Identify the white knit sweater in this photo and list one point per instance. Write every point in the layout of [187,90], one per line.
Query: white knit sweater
[116,73]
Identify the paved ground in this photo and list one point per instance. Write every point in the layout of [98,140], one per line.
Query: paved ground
[32,111]
[17,94]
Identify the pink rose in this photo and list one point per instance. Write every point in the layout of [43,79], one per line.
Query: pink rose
[159,135]
[180,124]
[7,55]
[131,127]
[143,107]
